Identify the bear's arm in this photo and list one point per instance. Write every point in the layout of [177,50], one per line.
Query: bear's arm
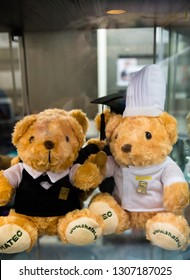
[175,188]
[9,179]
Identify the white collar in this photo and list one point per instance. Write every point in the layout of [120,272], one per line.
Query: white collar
[150,168]
[52,175]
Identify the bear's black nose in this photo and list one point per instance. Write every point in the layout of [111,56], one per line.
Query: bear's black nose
[126,148]
[48,144]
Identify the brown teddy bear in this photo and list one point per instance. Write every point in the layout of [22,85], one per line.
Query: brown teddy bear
[48,184]
[150,190]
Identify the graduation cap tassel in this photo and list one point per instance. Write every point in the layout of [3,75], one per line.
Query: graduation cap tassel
[116,102]
[102,126]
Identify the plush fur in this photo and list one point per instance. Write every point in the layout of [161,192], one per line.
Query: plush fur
[140,142]
[49,143]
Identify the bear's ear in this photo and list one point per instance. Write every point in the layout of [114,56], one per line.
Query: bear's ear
[107,114]
[170,124]
[81,118]
[21,127]
[113,122]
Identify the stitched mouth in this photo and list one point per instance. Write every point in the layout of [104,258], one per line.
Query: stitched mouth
[49,157]
[128,160]
[53,160]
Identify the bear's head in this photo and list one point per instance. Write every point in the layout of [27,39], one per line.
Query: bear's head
[141,140]
[50,140]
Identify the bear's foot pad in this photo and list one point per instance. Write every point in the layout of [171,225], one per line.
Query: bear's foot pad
[83,231]
[167,236]
[13,239]
[109,216]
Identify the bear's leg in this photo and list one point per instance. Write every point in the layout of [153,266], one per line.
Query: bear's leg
[168,231]
[17,234]
[80,227]
[116,220]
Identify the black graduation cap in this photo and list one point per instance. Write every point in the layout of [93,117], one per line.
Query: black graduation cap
[116,102]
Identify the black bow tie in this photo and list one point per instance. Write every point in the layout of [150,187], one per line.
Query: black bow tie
[43,178]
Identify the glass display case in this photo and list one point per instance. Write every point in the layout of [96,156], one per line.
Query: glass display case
[56,57]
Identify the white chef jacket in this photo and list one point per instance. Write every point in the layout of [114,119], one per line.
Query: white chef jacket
[128,189]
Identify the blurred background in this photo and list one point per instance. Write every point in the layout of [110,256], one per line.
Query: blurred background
[64,54]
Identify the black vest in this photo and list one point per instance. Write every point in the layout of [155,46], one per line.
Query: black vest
[33,200]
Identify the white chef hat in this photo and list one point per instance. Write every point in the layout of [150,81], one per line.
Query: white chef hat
[146,92]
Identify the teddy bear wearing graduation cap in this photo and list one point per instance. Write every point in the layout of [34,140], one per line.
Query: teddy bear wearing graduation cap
[150,190]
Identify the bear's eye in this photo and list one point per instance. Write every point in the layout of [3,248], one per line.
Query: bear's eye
[67,138]
[116,136]
[31,139]
[148,135]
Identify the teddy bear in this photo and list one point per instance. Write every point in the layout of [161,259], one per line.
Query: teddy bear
[150,191]
[48,184]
